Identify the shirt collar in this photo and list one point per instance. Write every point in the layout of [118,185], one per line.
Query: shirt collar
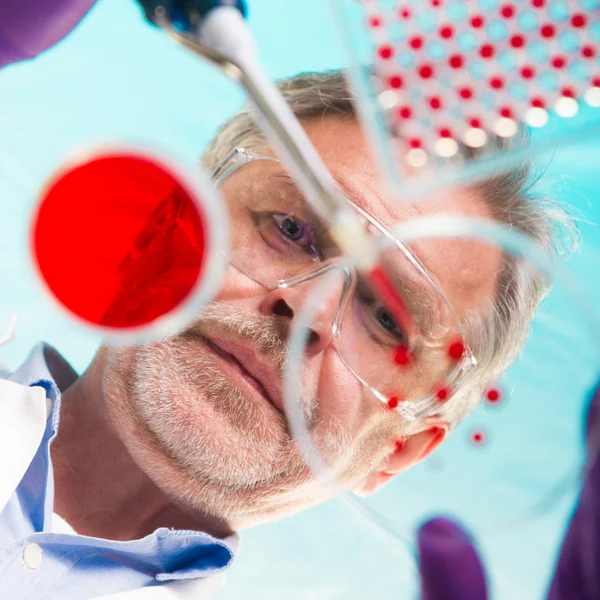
[45,363]
[46,367]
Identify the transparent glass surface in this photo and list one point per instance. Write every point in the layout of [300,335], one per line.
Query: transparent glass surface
[515,453]
[139,231]
[450,87]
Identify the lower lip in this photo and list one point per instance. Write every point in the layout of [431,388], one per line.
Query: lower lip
[234,366]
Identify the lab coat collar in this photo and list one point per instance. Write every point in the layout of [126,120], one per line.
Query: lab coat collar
[28,398]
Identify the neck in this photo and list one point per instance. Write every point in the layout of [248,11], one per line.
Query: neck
[99,489]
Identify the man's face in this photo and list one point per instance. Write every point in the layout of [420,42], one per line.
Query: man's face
[202,412]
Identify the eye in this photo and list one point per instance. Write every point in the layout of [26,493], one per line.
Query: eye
[385,319]
[297,231]
[289,227]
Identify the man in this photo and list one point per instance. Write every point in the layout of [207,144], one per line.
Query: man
[165,450]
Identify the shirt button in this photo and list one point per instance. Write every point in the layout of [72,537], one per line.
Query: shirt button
[32,556]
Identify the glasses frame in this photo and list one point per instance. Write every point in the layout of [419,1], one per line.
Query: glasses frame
[413,409]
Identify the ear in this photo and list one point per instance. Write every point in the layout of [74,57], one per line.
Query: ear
[402,455]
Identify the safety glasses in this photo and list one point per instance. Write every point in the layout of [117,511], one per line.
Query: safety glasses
[279,242]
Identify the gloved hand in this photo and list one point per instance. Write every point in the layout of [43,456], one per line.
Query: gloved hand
[449,564]
[577,574]
[452,570]
[28,27]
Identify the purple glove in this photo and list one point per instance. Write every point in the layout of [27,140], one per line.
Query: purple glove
[450,567]
[577,574]
[28,27]
[449,564]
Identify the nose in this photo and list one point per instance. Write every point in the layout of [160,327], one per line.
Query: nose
[286,304]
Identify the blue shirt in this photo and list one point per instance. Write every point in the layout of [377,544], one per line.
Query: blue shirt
[76,566]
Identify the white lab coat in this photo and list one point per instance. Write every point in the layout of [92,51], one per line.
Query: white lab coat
[23,414]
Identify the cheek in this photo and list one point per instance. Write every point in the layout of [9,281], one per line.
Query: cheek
[348,413]
[352,422]
[339,391]
[238,286]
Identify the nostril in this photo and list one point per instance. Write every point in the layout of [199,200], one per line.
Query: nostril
[283,309]
[313,338]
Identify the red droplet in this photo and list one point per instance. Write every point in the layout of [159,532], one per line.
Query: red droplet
[538,102]
[435,103]
[477,21]
[506,112]
[578,20]
[476,123]
[527,72]
[493,396]
[445,132]
[446,32]
[374,22]
[568,92]
[486,51]
[405,13]
[402,355]
[478,437]
[442,394]
[385,52]
[538,3]
[497,83]
[426,71]
[596,81]
[456,350]
[465,93]
[507,11]
[393,402]
[400,445]
[415,143]
[436,3]
[559,62]
[548,30]
[456,61]
[396,82]
[517,41]
[415,42]
[405,112]
[136,241]
[588,51]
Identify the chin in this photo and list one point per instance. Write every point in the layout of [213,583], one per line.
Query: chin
[208,446]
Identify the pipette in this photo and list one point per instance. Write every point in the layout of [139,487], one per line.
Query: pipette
[217,31]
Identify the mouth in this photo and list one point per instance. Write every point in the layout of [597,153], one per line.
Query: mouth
[243,361]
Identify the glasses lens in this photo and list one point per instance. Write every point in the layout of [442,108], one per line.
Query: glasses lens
[279,237]
[417,356]
[276,233]
[119,240]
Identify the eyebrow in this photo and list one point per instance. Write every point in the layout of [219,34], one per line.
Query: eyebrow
[293,183]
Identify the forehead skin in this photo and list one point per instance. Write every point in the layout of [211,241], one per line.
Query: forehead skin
[465,269]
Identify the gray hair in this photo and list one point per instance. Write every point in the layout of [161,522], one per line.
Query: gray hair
[496,339]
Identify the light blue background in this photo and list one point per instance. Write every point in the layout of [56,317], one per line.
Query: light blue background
[116,78]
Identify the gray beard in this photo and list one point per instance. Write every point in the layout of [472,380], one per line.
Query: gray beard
[167,384]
